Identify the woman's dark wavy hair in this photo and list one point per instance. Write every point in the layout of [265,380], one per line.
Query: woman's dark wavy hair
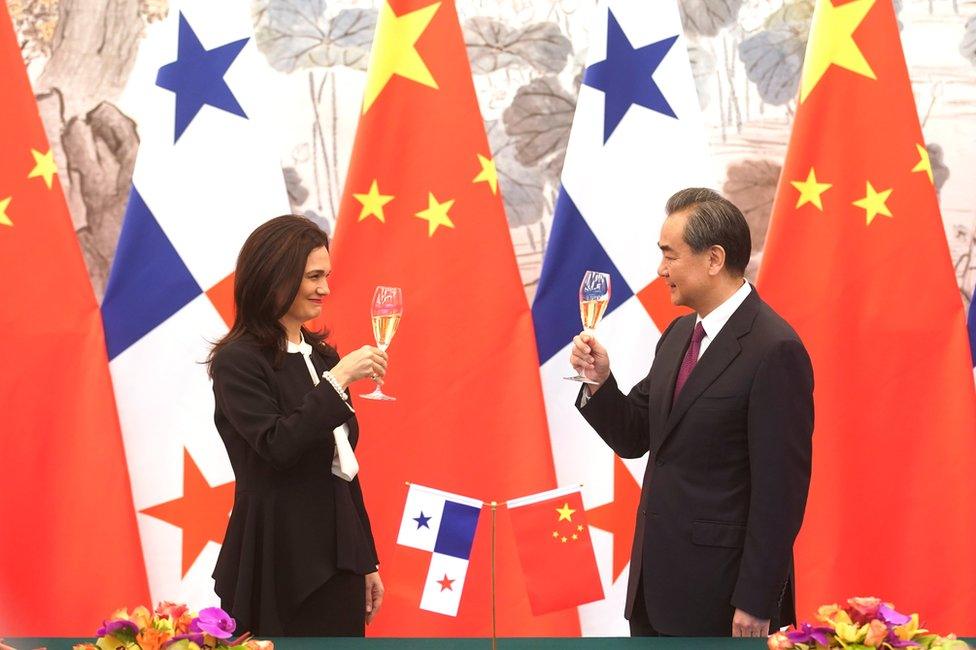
[269,272]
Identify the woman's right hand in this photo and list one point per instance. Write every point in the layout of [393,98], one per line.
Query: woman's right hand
[367,361]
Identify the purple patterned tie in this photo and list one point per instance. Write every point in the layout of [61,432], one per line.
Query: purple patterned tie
[689,361]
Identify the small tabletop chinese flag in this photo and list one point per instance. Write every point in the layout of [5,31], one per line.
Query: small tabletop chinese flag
[555,549]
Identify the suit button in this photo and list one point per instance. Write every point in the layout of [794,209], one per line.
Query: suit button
[659,462]
[644,511]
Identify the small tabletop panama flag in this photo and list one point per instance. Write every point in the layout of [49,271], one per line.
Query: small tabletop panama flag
[443,524]
[555,549]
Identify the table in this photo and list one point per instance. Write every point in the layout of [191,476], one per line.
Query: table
[534,643]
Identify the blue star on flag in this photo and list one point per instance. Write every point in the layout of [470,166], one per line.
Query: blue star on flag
[625,76]
[197,77]
[422,521]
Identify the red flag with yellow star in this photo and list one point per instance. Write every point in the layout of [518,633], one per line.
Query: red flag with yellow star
[555,549]
[857,261]
[422,211]
[69,550]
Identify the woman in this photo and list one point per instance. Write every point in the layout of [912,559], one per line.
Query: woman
[298,558]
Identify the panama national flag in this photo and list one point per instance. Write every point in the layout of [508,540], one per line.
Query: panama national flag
[444,525]
[205,177]
[856,260]
[637,137]
[69,546]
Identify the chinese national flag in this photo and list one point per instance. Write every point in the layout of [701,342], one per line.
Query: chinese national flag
[857,260]
[422,211]
[69,547]
[555,549]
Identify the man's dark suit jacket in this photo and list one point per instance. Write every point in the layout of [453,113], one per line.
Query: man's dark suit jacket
[726,481]
[294,524]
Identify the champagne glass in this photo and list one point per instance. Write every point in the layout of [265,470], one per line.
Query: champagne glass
[386,310]
[594,296]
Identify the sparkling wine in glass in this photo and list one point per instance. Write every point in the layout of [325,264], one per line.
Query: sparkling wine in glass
[386,311]
[594,296]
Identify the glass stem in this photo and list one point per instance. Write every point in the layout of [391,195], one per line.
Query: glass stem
[379,389]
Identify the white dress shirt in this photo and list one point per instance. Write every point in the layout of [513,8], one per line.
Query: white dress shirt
[718,317]
[344,463]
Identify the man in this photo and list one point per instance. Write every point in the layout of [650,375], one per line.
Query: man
[726,413]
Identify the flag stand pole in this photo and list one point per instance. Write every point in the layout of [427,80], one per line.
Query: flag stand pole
[494,630]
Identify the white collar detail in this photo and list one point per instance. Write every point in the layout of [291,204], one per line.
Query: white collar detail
[718,317]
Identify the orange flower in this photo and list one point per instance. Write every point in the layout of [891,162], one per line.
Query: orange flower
[152,639]
[182,624]
[779,641]
[173,610]
[877,633]
[863,609]
[832,615]
[77,646]
[255,644]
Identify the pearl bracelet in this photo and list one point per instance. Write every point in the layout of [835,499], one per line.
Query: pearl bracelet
[335,384]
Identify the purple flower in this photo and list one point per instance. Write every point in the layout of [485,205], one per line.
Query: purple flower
[891,617]
[807,634]
[114,628]
[215,622]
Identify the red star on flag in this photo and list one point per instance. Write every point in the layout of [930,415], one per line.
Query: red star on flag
[446,583]
[202,512]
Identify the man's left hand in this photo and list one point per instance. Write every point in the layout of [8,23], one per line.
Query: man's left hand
[745,624]
[374,595]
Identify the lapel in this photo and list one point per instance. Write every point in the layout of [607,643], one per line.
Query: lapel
[720,353]
[664,373]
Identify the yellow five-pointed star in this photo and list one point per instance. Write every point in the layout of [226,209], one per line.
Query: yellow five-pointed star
[395,50]
[810,190]
[43,166]
[831,42]
[4,219]
[436,214]
[373,202]
[488,173]
[565,513]
[924,164]
[873,203]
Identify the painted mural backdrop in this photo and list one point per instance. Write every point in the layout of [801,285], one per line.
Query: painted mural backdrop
[527,58]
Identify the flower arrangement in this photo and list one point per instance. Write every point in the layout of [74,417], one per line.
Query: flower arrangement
[861,624]
[171,627]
